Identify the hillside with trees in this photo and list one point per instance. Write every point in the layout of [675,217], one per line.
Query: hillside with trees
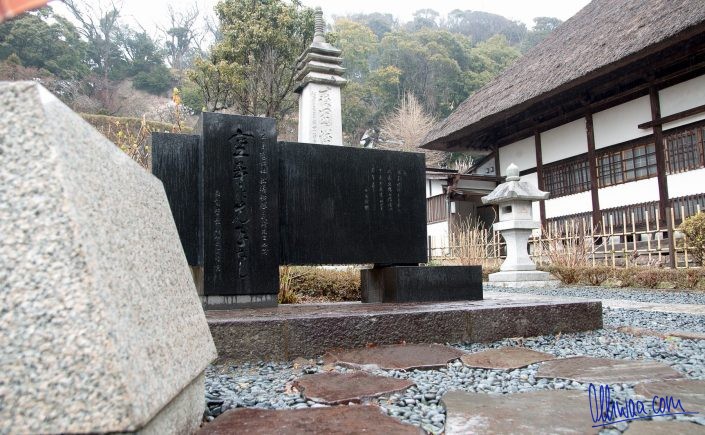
[98,64]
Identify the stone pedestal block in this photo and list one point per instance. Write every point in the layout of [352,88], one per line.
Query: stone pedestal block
[523,279]
[101,329]
[421,284]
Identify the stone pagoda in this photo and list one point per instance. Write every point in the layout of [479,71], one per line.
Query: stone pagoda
[320,77]
[516,222]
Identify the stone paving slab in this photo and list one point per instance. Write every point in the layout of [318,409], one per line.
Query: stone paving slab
[690,392]
[395,357]
[624,304]
[337,420]
[645,331]
[310,330]
[606,371]
[536,412]
[344,388]
[505,358]
[648,427]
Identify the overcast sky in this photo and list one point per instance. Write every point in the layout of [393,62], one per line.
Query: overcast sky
[149,13]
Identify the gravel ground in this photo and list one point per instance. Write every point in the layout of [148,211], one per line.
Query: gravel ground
[662,322]
[265,385]
[640,295]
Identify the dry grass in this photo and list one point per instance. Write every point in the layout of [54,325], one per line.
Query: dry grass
[301,284]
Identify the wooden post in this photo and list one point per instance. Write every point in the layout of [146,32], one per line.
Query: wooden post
[660,153]
[671,239]
[539,176]
[592,165]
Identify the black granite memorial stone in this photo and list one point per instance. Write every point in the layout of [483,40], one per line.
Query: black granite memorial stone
[421,284]
[342,205]
[244,205]
[176,160]
[240,205]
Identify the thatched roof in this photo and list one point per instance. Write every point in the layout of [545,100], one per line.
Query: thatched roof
[595,41]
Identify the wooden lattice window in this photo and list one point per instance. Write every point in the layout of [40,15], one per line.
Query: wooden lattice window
[684,150]
[567,178]
[636,162]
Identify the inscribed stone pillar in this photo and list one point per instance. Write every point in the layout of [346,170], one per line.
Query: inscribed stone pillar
[320,75]
[101,329]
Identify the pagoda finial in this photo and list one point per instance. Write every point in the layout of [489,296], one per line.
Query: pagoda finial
[319,35]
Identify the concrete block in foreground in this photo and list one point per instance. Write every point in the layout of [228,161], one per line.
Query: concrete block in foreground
[290,331]
[101,329]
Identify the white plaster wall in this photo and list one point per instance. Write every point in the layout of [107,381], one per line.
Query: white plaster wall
[680,97]
[436,188]
[311,125]
[438,229]
[619,124]
[477,184]
[565,141]
[629,193]
[686,183]
[521,153]
[570,204]
[486,168]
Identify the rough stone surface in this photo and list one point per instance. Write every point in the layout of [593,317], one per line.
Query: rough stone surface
[535,412]
[337,388]
[664,427]
[398,357]
[183,414]
[690,392]
[100,326]
[505,358]
[289,331]
[606,371]
[338,420]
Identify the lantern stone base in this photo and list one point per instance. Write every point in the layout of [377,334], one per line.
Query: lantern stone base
[523,279]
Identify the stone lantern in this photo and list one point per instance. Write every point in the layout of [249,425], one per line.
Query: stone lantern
[516,222]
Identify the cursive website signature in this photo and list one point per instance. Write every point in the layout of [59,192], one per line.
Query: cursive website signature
[606,411]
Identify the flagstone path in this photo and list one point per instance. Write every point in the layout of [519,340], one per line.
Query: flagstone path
[337,420]
[606,371]
[664,428]
[397,357]
[339,389]
[505,358]
[691,393]
[395,382]
[536,412]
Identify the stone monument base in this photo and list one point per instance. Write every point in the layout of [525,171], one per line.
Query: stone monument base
[183,415]
[421,284]
[523,279]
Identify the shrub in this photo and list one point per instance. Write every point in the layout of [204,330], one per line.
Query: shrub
[595,275]
[694,230]
[567,274]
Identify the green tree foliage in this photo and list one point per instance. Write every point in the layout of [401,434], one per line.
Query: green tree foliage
[542,27]
[481,26]
[256,59]
[44,41]
[380,24]
[359,45]
[423,19]
[145,62]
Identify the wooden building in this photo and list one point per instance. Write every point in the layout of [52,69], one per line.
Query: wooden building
[607,113]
